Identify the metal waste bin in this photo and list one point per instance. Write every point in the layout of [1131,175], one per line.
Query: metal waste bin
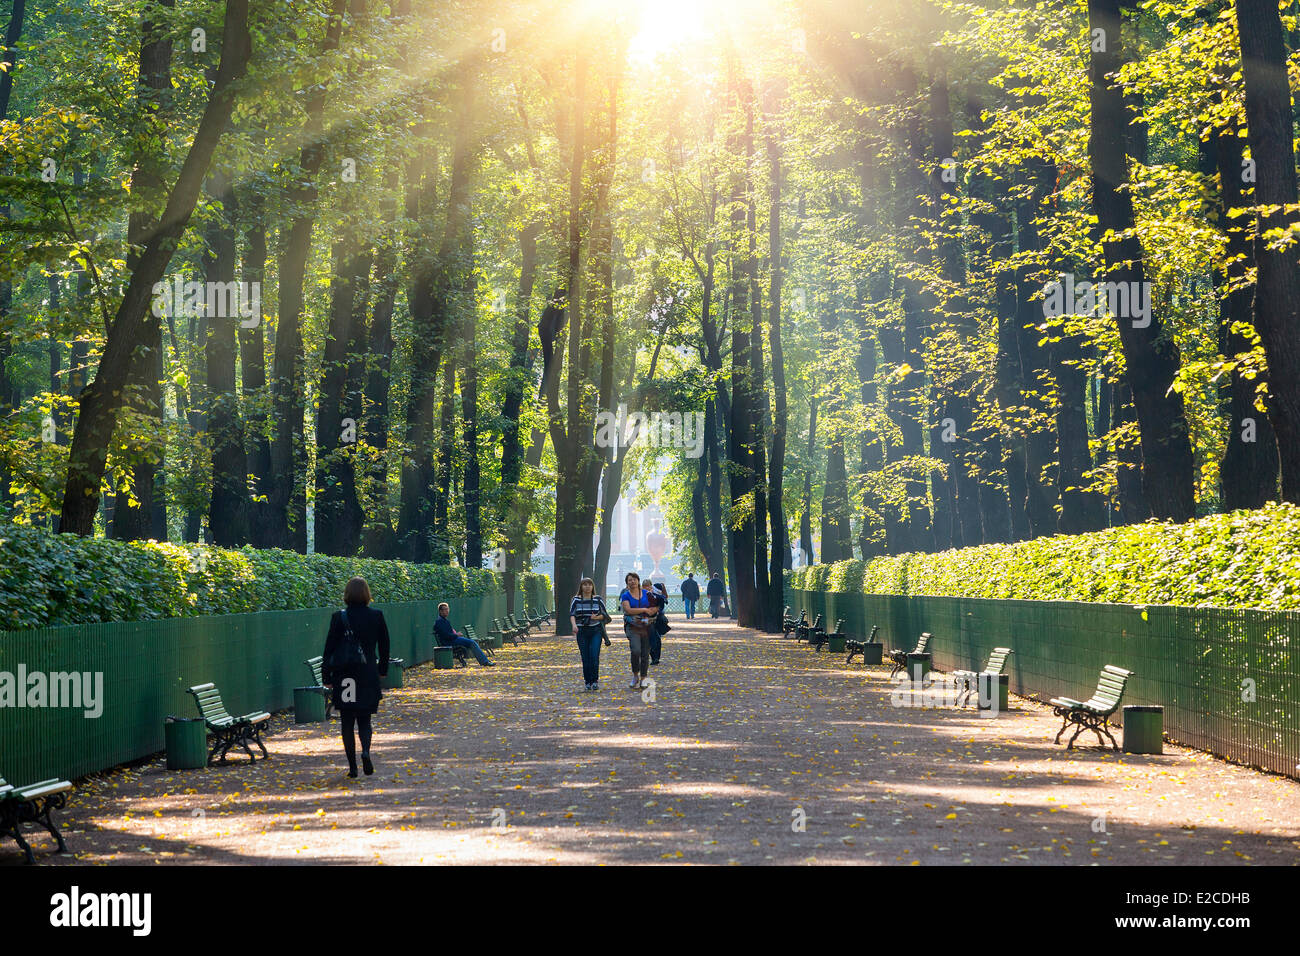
[443,658]
[393,679]
[187,743]
[873,652]
[993,691]
[836,644]
[1144,729]
[918,665]
[309,705]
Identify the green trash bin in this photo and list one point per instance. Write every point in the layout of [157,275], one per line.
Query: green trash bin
[835,644]
[873,652]
[918,665]
[308,705]
[187,743]
[1144,729]
[443,659]
[989,699]
[393,679]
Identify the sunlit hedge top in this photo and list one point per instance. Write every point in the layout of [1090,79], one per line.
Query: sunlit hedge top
[1240,559]
[51,579]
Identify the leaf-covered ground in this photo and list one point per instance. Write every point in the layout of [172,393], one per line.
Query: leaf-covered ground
[747,736]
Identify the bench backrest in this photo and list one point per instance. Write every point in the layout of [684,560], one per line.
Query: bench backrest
[839,626]
[315,664]
[470,632]
[922,643]
[875,629]
[210,706]
[997,660]
[817,622]
[1110,688]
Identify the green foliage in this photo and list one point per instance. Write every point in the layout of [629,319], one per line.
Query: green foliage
[52,579]
[1243,559]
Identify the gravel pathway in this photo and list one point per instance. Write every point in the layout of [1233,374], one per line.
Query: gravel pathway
[752,750]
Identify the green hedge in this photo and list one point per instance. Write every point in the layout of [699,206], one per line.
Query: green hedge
[1243,559]
[51,579]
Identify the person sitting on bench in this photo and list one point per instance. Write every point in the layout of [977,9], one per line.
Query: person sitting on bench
[448,636]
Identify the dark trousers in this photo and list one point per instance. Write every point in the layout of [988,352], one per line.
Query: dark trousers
[656,645]
[360,721]
[589,640]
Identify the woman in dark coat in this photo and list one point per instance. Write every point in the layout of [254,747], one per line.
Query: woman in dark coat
[354,688]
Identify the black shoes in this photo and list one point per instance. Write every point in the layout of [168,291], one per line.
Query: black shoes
[366,765]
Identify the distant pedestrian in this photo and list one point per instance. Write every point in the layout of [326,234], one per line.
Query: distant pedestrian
[448,636]
[715,591]
[638,613]
[690,594]
[590,617]
[355,657]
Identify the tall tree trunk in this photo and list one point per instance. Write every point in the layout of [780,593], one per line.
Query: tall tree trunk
[1152,358]
[378,538]
[103,398]
[438,289]
[776,465]
[1249,472]
[252,362]
[286,511]
[744,406]
[146,516]
[805,517]
[1277,284]
[572,546]
[228,509]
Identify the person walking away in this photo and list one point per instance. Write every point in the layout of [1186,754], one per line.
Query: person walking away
[715,590]
[637,617]
[690,594]
[354,659]
[589,616]
[448,636]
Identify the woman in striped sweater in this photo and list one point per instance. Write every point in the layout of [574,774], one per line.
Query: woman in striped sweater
[589,616]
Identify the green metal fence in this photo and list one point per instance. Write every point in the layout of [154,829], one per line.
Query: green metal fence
[1229,680]
[255,659]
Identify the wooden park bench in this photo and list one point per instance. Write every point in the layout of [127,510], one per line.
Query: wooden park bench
[316,663]
[507,632]
[967,682]
[473,636]
[228,730]
[820,637]
[860,647]
[33,803]
[520,630]
[804,631]
[1093,714]
[534,618]
[793,624]
[899,658]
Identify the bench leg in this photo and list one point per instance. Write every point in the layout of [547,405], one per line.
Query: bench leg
[257,739]
[1081,728]
[48,806]
[17,834]
[1101,728]
[1065,722]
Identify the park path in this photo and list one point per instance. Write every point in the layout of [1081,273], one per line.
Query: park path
[753,750]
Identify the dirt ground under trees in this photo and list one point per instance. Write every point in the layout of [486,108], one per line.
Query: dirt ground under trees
[753,750]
